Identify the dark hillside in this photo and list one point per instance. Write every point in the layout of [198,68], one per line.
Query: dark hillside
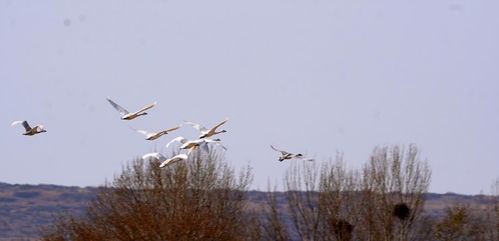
[25,208]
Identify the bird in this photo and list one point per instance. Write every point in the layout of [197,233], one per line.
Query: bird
[193,144]
[155,135]
[125,115]
[205,132]
[165,161]
[286,155]
[30,131]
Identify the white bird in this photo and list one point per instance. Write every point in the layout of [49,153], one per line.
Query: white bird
[178,138]
[191,145]
[164,160]
[155,135]
[125,115]
[205,132]
[286,155]
[29,131]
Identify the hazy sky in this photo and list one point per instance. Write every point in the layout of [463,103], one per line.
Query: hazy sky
[309,76]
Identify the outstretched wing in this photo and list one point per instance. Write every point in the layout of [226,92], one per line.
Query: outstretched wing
[155,155]
[177,158]
[214,141]
[120,109]
[196,126]
[171,129]
[282,152]
[221,123]
[25,124]
[304,158]
[143,132]
[146,108]
[179,139]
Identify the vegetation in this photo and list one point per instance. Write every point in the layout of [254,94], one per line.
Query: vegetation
[204,199]
[201,199]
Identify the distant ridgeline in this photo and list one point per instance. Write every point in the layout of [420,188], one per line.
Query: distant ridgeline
[25,208]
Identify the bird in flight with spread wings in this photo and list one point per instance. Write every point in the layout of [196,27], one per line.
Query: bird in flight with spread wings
[30,131]
[286,155]
[192,145]
[155,135]
[207,132]
[125,115]
[165,161]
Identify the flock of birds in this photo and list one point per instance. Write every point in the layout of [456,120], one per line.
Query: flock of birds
[190,145]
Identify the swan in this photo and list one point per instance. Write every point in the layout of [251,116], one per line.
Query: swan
[176,139]
[155,135]
[205,132]
[286,155]
[30,131]
[125,115]
[191,145]
[164,160]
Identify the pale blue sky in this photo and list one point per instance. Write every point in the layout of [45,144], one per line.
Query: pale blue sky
[309,76]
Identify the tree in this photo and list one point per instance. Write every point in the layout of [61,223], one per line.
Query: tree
[392,193]
[199,199]
[380,202]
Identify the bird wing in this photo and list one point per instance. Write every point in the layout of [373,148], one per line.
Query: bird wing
[179,157]
[215,127]
[120,109]
[196,126]
[16,123]
[191,149]
[147,108]
[25,124]
[143,132]
[303,158]
[172,129]
[155,155]
[215,141]
[179,139]
[282,152]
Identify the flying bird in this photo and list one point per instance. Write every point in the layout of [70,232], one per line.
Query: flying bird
[164,160]
[30,131]
[155,135]
[192,145]
[286,155]
[205,132]
[125,115]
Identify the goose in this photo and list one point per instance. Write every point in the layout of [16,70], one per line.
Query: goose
[205,132]
[155,135]
[30,131]
[125,115]
[191,145]
[286,155]
[164,160]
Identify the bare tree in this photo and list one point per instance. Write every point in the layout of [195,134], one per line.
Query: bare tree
[392,193]
[380,202]
[200,199]
[273,223]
